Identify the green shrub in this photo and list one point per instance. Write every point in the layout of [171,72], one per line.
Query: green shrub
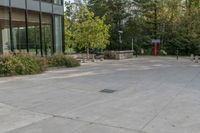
[24,64]
[21,64]
[60,60]
[31,64]
[7,65]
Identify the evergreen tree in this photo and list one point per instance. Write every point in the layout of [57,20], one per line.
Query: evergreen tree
[116,13]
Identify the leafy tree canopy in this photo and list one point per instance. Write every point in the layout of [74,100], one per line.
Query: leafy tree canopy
[84,29]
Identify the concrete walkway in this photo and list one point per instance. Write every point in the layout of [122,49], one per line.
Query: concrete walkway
[150,96]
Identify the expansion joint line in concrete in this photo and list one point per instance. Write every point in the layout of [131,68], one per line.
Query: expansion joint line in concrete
[94,123]
[67,118]
[170,101]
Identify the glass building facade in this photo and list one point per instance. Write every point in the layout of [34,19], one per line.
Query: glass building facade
[33,26]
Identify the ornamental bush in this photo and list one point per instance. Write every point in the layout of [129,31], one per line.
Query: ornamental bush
[21,64]
[8,65]
[25,64]
[60,60]
[32,64]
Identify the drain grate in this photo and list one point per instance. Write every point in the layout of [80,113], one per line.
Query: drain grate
[107,91]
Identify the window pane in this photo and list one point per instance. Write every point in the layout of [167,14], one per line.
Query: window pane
[19,30]
[5,46]
[47,34]
[33,32]
[58,34]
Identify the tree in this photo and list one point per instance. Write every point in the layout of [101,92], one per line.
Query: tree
[86,30]
[91,32]
[115,12]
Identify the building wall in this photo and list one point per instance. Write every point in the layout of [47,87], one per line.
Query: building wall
[35,5]
[34,26]
[4,2]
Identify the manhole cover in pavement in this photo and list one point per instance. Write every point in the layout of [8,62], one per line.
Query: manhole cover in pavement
[107,91]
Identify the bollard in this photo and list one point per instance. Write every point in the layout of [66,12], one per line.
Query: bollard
[196,59]
[192,57]
[93,58]
[177,54]
[84,61]
[102,59]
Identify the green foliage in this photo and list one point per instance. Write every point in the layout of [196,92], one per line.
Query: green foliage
[25,64]
[21,64]
[175,22]
[29,65]
[7,65]
[116,12]
[84,30]
[91,33]
[60,60]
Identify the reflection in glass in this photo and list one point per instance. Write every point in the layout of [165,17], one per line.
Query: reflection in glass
[19,30]
[39,42]
[5,46]
[47,34]
[58,34]
[33,32]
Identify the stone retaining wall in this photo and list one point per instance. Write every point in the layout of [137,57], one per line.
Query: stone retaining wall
[121,55]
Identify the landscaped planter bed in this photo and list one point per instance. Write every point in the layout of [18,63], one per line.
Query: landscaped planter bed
[26,64]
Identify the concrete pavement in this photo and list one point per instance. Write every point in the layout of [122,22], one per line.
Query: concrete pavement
[151,95]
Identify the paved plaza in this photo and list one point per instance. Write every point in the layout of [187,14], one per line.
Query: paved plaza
[143,95]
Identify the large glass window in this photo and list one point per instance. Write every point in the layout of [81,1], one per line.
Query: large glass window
[19,30]
[33,32]
[58,34]
[47,34]
[5,46]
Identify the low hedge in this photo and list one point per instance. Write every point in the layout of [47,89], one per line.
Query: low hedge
[60,60]
[21,64]
[25,64]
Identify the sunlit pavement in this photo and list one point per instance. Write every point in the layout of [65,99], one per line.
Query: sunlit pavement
[148,95]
